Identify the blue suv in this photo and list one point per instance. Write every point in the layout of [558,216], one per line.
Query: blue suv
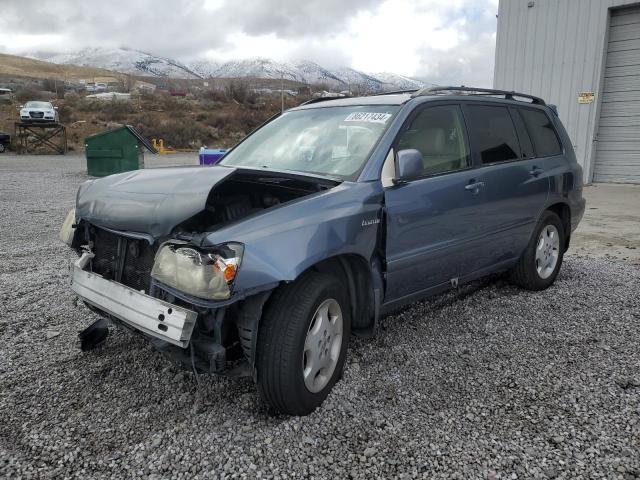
[322,220]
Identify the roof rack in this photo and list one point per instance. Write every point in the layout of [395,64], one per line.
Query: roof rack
[322,99]
[477,91]
[396,92]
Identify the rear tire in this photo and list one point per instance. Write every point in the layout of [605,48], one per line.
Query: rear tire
[302,343]
[540,263]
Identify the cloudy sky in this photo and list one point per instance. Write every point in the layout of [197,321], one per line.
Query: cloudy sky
[450,41]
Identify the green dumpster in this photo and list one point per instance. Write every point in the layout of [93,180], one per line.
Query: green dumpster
[115,151]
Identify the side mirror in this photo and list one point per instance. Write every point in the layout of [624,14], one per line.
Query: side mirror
[408,164]
[55,108]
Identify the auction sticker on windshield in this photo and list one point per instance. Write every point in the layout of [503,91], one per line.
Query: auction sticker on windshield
[371,117]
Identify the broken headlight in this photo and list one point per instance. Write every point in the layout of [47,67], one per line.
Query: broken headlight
[202,274]
[68,230]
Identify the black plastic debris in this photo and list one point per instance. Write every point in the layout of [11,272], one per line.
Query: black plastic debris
[94,335]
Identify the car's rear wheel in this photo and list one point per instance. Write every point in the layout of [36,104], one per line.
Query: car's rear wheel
[540,263]
[2,147]
[302,342]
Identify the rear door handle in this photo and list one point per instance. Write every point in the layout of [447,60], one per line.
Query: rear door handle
[535,171]
[474,187]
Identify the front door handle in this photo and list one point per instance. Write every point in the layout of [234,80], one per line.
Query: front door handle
[474,187]
[535,171]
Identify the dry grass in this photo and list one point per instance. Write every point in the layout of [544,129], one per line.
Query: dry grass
[28,67]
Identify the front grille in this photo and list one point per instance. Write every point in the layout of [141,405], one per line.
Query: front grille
[106,247]
[139,262]
[36,114]
[125,260]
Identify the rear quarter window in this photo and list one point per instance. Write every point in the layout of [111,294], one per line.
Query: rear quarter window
[542,132]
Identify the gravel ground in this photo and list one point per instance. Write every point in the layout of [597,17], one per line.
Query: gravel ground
[487,382]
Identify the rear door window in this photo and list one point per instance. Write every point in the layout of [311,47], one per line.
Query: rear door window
[492,133]
[542,133]
[526,146]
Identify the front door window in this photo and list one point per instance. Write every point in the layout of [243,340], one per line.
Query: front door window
[438,134]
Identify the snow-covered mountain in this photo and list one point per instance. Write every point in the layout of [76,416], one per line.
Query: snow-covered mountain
[142,63]
[122,60]
[356,80]
[259,68]
[203,68]
[315,74]
[399,81]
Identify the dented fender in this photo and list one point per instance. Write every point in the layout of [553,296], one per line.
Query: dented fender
[282,243]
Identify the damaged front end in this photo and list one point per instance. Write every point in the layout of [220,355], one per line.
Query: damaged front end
[146,264]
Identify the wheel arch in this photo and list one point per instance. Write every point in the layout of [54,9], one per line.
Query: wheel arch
[359,280]
[563,210]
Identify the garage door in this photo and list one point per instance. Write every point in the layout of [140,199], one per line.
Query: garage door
[618,147]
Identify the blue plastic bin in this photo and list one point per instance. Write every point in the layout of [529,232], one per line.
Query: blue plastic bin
[210,156]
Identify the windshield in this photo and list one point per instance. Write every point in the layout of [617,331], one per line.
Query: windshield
[332,141]
[38,105]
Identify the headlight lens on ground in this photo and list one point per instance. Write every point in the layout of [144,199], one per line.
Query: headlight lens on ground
[208,275]
[67,230]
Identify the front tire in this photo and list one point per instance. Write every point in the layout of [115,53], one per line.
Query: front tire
[302,343]
[540,263]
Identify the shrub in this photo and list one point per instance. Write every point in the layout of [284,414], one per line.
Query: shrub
[238,91]
[71,99]
[109,110]
[26,95]
[66,114]
[182,133]
[172,104]
[215,95]
[49,84]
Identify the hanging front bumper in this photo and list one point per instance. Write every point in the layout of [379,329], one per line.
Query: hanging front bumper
[149,315]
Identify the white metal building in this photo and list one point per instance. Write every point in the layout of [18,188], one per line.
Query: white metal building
[583,56]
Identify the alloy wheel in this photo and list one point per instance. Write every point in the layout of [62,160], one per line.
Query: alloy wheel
[322,345]
[547,251]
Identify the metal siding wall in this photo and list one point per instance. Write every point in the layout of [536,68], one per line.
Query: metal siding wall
[556,50]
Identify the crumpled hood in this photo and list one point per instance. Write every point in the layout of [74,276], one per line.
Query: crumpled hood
[149,201]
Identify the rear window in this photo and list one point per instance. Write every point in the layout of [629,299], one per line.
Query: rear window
[492,133]
[542,133]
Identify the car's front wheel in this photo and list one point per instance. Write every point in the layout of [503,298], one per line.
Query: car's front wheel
[540,263]
[302,342]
